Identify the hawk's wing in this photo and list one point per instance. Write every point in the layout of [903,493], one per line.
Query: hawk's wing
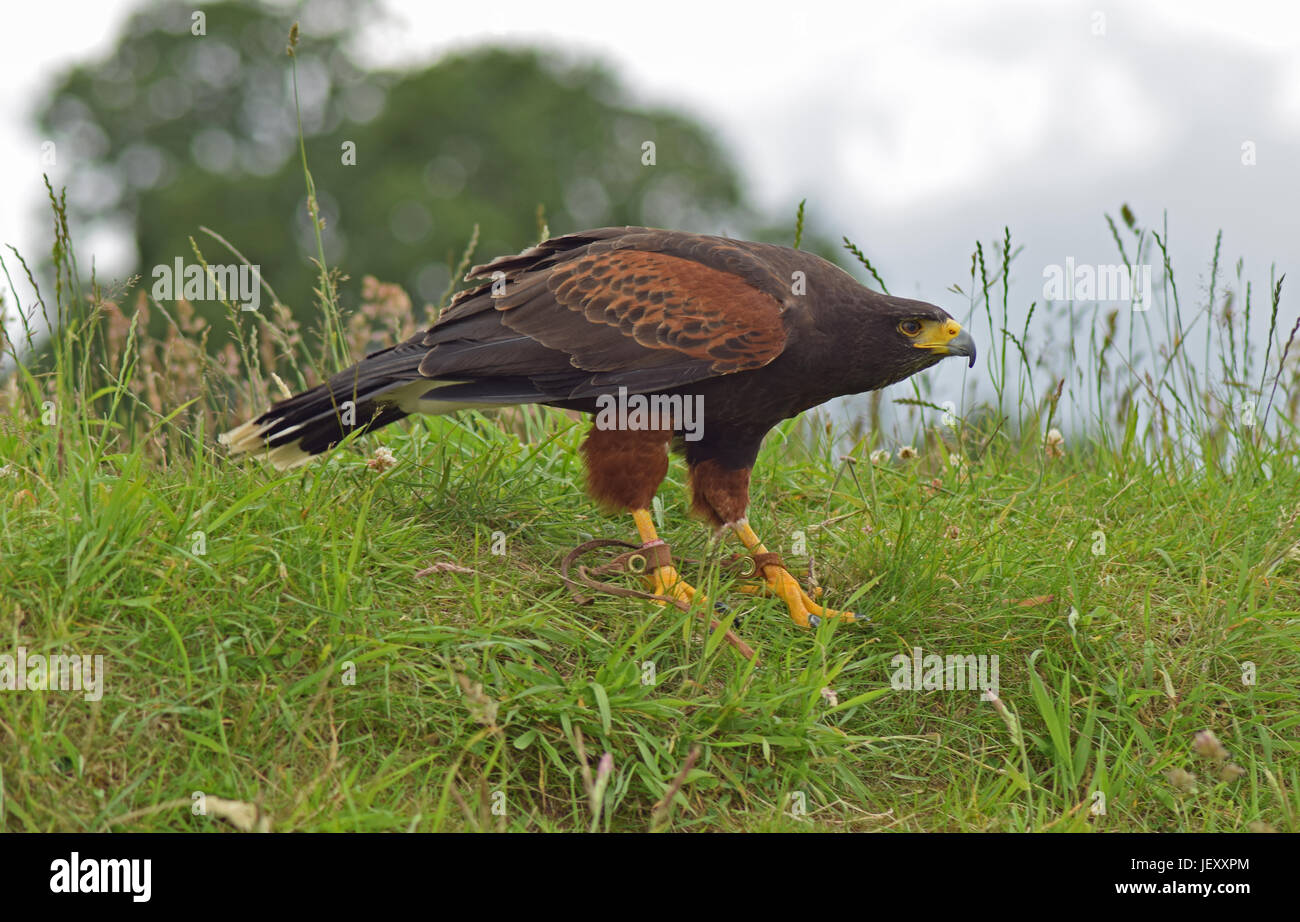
[586,313]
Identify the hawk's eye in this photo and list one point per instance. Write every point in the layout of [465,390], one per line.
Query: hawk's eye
[910,327]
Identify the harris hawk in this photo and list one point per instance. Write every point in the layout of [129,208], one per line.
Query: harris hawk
[748,334]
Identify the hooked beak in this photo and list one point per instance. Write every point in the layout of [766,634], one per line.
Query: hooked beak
[947,338]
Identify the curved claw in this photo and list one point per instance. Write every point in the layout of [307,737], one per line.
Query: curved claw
[722,608]
[850,617]
[666,581]
[803,610]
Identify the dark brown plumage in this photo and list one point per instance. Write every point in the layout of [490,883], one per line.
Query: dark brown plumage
[749,333]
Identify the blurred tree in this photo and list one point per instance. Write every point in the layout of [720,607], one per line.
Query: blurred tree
[175,129]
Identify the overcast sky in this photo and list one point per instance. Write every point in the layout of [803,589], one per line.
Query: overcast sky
[915,128]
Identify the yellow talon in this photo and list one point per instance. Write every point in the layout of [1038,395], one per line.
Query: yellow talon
[778,581]
[665,581]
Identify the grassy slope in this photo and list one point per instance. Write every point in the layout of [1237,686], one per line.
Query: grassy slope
[486,699]
[224,669]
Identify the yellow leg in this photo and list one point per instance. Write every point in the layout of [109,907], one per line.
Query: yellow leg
[780,583]
[665,581]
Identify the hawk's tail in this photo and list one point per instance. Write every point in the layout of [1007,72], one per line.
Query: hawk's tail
[380,389]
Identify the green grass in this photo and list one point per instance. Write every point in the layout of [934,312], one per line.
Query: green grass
[266,638]
[225,670]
